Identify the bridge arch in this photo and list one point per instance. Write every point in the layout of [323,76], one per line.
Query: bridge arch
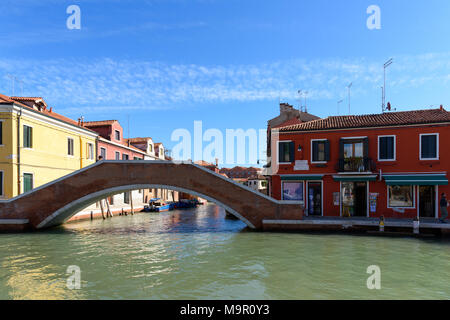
[56,201]
[65,213]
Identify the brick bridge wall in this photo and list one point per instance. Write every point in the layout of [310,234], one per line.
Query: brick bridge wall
[55,202]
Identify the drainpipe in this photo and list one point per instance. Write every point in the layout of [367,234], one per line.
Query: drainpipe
[18,150]
[81,153]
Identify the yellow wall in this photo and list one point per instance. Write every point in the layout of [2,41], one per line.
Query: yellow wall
[47,160]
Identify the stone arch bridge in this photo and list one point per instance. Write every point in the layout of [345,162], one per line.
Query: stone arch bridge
[55,202]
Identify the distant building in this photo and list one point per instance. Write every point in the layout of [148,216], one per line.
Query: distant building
[257,183]
[208,165]
[240,172]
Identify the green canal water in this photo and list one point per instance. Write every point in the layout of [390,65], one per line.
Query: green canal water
[198,254]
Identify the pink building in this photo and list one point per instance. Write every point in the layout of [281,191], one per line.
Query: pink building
[111,143]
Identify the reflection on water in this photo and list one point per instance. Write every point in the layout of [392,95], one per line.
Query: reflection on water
[198,254]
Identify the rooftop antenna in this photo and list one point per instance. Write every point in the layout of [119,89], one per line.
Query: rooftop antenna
[21,87]
[338,103]
[306,93]
[128,117]
[349,86]
[12,81]
[299,100]
[383,103]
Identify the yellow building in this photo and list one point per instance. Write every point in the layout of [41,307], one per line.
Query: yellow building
[50,145]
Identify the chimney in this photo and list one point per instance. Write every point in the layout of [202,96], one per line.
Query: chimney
[442,107]
[217,162]
[285,107]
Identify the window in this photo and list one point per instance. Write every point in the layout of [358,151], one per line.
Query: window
[150,148]
[70,146]
[285,151]
[386,148]
[1,134]
[90,151]
[126,197]
[429,146]
[117,134]
[136,158]
[117,155]
[1,183]
[293,191]
[400,197]
[320,150]
[27,137]
[27,182]
[125,157]
[103,153]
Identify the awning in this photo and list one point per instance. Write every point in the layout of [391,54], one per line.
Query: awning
[416,179]
[358,178]
[302,177]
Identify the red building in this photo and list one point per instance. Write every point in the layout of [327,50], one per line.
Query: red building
[111,143]
[393,164]
[239,172]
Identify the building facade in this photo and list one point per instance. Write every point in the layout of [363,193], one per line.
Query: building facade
[393,164]
[38,145]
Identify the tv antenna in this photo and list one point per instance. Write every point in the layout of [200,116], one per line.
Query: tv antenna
[349,87]
[383,102]
[338,103]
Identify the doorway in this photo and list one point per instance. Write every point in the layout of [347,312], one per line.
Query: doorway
[427,201]
[354,199]
[314,198]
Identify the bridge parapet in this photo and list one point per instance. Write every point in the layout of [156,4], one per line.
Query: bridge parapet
[55,202]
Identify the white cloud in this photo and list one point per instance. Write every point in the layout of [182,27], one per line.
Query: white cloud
[130,84]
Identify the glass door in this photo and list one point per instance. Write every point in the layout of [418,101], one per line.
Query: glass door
[314,198]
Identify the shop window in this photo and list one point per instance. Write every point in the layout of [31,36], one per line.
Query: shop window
[293,191]
[400,196]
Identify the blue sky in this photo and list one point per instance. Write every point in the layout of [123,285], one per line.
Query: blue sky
[164,64]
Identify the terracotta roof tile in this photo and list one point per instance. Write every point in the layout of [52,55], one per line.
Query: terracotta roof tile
[373,120]
[98,123]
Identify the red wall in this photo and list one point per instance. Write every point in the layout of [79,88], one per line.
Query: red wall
[407,161]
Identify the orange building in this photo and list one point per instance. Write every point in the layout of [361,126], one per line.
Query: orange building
[393,164]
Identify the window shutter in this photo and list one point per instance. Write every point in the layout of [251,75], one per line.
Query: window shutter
[291,151]
[366,147]
[433,147]
[327,150]
[280,152]
[341,148]
[389,148]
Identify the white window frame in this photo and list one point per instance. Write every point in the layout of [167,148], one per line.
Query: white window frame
[23,180]
[395,148]
[437,145]
[312,161]
[103,148]
[278,151]
[414,199]
[293,181]
[73,147]
[90,155]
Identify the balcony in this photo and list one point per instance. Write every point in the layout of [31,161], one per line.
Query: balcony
[356,164]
